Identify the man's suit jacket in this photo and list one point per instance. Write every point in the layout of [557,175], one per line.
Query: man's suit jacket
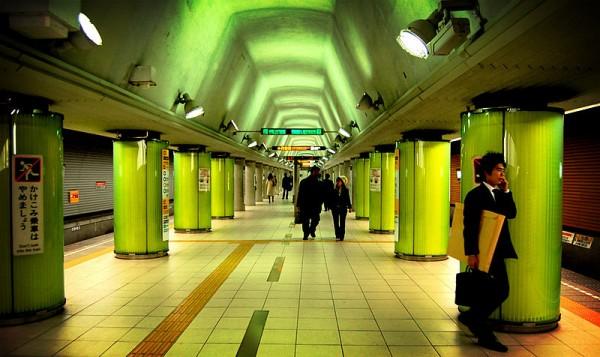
[479,199]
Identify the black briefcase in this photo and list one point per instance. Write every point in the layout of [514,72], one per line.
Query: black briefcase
[472,285]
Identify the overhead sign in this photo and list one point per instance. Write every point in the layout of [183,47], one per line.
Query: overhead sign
[292,131]
[300,158]
[298,148]
[27,205]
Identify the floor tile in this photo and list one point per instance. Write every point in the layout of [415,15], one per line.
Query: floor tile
[397,325]
[452,338]
[265,350]
[226,336]
[135,334]
[318,351]
[438,325]
[362,338]
[361,351]
[318,337]
[119,349]
[281,337]
[104,334]
[219,350]
[317,324]
[413,351]
[39,347]
[358,324]
[85,348]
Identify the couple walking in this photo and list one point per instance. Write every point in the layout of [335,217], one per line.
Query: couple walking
[312,193]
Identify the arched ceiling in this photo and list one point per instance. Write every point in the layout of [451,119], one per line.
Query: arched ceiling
[292,63]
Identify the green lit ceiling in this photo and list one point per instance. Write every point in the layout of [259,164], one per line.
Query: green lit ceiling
[284,63]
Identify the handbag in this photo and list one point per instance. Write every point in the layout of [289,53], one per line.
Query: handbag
[472,285]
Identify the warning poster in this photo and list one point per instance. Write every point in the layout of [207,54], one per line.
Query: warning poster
[27,205]
[165,193]
[203,179]
[375,180]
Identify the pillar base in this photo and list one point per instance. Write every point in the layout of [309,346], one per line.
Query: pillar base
[525,327]
[381,231]
[421,258]
[222,217]
[33,316]
[190,230]
[361,218]
[136,256]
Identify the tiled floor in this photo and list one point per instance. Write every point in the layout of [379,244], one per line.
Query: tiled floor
[332,299]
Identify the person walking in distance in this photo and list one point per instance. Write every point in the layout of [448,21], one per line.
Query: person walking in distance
[286,184]
[339,204]
[327,190]
[271,185]
[493,195]
[310,199]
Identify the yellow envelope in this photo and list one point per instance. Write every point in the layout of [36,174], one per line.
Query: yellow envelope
[489,232]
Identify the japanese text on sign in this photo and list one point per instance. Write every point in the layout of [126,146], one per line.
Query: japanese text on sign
[165,193]
[28,203]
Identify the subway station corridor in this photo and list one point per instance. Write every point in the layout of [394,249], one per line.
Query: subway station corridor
[321,297]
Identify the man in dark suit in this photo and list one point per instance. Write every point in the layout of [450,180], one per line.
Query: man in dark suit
[309,202]
[493,195]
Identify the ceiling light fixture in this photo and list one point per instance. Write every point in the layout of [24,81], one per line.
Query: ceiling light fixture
[253,144]
[192,110]
[89,30]
[229,127]
[331,151]
[440,33]
[366,102]
[273,154]
[344,132]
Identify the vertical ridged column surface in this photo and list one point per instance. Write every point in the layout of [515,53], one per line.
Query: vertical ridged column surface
[32,285]
[222,187]
[249,190]
[532,143]
[157,243]
[424,189]
[186,188]
[258,173]
[137,199]
[381,192]
[238,185]
[360,188]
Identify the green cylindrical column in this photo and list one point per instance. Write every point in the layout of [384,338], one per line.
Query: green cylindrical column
[190,183]
[31,215]
[532,143]
[381,191]
[222,187]
[424,193]
[259,182]
[249,187]
[238,185]
[138,220]
[360,189]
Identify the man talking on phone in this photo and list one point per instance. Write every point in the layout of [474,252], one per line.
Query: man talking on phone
[493,195]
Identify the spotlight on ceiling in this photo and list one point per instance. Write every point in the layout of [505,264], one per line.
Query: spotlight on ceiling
[366,102]
[263,147]
[192,110]
[331,151]
[229,127]
[440,33]
[89,30]
[340,139]
[273,154]
[253,144]
[344,132]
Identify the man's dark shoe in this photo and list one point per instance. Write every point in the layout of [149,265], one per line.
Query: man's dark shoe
[312,234]
[465,324]
[491,343]
[305,238]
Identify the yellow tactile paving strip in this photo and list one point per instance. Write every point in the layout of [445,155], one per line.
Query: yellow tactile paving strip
[85,258]
[160,340]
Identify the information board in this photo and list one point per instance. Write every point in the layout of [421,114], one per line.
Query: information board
[165,193]
[203,179]
[27,204]
[292,131]
[375,180]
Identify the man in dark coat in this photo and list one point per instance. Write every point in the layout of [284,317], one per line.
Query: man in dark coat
[310,199]
[287,184]
[493,195]
[327,191]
